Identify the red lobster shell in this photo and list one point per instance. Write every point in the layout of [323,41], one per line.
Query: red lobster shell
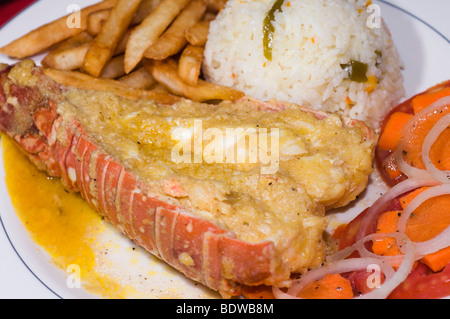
[165,230]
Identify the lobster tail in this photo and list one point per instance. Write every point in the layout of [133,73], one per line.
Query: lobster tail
[170,215]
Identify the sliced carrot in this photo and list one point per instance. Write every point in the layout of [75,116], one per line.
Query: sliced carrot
[432,216]
[426,222]
[415,136]
[391,168]
[422,101]
[429,219]
[405,200]
[440,152]
[392,132]
[329,287]
[387,223]
[438,260]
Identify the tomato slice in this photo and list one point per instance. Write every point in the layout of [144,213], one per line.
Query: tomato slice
[358,281]
[422,283]
[347,236]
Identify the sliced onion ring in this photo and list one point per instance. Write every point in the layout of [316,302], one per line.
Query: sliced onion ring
[380,204]
[405,168]
[430,139]
[360,247]
[419,200]
[393,278]
[400,275]
[341,266]
[440,241]
[408,170]
[445,101]
[435,244]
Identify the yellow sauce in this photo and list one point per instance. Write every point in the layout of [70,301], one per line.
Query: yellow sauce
[61,223]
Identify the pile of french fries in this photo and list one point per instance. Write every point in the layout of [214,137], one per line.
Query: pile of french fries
[134,48]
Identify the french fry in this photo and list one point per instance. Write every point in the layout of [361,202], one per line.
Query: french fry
[174,39]
[50,34]
[198,33]
[160,88]
[215,5]
[114,68]
[75,41]
[96,20]
[139,79]
[66,59]
[122,45]
[103,46]
[165,72]
[145,8]
[125,47]
[144,35]
[87,82]
[190,64]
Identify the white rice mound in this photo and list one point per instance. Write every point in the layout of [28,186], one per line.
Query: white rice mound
[312,38]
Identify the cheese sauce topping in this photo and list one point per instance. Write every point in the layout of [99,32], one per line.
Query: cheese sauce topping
[319,163]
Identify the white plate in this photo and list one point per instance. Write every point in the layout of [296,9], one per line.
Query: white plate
[421,31]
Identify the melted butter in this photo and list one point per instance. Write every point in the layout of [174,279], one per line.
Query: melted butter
[61,223]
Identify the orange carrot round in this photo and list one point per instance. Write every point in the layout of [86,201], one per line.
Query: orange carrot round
[332,286]
[392,132]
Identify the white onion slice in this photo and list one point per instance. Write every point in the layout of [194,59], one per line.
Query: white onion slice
[393,278]
[341,254]
[433,107]
[435,244]
[399,237]
[419,200]
[361,248]
[408,170]
[341,266]
[400,275]
[405,168]
[386,198]
[438,242]
[430,139]
[279,294]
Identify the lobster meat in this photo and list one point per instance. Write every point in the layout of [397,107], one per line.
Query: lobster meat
[156,217]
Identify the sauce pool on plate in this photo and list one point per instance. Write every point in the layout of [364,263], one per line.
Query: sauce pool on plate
[61,223]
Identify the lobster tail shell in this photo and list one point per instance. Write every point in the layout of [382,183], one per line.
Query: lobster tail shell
[196,247]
